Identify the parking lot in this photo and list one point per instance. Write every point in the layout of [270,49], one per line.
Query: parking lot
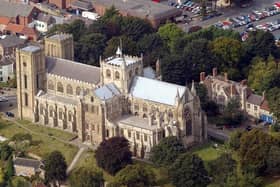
[260,12]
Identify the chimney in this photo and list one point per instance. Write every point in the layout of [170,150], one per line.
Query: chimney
[214,72]
[202,77]
[226,77]
[263,95]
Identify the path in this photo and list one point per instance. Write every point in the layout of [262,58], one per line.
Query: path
[75,160]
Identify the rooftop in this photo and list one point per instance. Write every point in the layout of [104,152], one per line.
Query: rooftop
[73,70]
[156,91]
[11,41]
[149,73]
[141,8]
[58,99]
[118,60]
[136,121]
[45,18]
[107,91]
[85,5]
[255,99]
[11,10]
[27,162]
[61,36]
[31,48]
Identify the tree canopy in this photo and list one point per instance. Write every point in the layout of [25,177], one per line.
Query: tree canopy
[55,167]
[135,176]
[113,154]
[188,170]
[85,177]
[166,152]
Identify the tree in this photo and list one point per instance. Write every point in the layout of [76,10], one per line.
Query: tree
[90,47]
[232,115]
[135,28]
[260,43]
[228,53]
[170,33]
[135,176]
[2,178]
[113,154]
[254,149]
[221,168]
[273,97]
[6,151]
[20,182]
[85,177]
[10,168]
[273,160]
[128,46]
[234,140]
[55,168]
[195,54]
[261,74]
[188,170]
[166,152]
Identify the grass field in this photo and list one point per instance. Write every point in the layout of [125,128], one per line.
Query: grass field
[208,152]
[42,145]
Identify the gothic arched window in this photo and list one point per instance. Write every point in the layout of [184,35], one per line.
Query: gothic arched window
[69,89]
[59,87]
[108,73]
[78,91]
[50,85]
[117,75]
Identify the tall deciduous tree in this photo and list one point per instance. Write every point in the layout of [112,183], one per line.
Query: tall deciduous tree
[113,154]
[166,152]
[188,170]
[135,176]
[273,97]
[85,177]
[254,149]
[55,167]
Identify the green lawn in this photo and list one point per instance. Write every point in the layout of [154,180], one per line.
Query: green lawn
[42,145]
[207,152]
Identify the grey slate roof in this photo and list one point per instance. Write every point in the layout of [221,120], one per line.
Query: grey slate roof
[7,60]
[13,9]
[73,70]
[255,99]
[27,162]
[11,41]
[149,73]
[45,18]
[82,4]
[107,91]
[141,8]
[61,36]
[31,48]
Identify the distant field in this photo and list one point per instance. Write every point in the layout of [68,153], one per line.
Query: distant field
[42,144]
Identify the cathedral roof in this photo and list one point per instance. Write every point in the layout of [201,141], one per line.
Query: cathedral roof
[156,91]
[73,70]
[107,91]
[149,73]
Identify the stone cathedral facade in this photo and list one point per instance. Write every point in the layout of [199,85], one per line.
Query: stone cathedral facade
[119,98]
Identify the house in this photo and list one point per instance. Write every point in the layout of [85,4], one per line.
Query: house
[43,22]
[6,68]
[9,43]
[221,90]
[28,167]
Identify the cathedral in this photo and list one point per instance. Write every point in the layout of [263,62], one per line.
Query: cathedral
[119,98]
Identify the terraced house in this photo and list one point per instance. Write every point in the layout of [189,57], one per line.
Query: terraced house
[115,99]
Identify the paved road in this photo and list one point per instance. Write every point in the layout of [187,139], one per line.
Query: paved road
[75,160]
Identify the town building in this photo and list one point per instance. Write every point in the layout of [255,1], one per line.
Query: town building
[43,22]
[9,43]
[97,103]
[28,167]
[155,13]
[15,18]
[6,68]
[221,90]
